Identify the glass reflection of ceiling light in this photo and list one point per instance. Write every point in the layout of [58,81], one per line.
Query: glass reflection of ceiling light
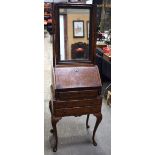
[73,0]
[89,2]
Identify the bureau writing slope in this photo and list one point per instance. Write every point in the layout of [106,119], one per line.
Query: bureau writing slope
[76,85]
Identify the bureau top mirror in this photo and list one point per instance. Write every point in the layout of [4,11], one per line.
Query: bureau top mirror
[74,35]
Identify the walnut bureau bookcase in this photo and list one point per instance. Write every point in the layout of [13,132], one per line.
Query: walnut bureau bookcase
[76,88]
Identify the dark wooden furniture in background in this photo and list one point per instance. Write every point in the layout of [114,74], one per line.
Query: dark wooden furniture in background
[101,45]
[48,13]
[104,64]
[79,50]
[76,88]
[107,57]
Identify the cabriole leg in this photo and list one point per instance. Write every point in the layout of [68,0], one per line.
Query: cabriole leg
[54,131]
[98,121]
[87,126]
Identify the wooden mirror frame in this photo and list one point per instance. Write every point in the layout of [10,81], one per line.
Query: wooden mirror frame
[92,35]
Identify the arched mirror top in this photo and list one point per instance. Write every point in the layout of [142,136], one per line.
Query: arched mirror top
[74,34]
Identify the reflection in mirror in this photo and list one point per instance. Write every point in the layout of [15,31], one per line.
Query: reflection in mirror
[74,34]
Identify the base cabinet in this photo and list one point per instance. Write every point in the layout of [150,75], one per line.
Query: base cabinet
[71,100]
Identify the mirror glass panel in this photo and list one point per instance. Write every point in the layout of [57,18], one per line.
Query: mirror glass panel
[74,34]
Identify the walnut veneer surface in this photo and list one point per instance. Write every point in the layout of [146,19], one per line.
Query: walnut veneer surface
[76,77]
[76,85]
[76,91]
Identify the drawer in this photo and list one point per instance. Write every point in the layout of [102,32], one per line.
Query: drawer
[83,94]
[77,111]
[57,104]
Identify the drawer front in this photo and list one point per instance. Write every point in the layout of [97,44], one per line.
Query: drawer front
[77,111]
[71,95]
[57,104]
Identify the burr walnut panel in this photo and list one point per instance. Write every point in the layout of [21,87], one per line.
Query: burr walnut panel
[72,95]
[77,77]
[77,103]
[77,111]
